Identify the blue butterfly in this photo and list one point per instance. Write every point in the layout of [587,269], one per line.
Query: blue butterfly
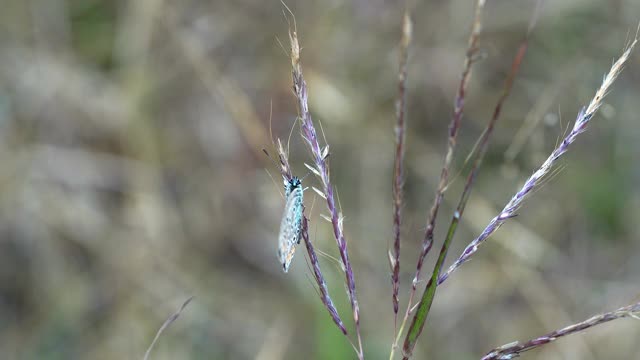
[291,224]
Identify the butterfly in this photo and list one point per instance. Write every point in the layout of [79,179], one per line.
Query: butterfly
[291,223]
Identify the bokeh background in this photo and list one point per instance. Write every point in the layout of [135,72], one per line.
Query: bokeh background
[132,176]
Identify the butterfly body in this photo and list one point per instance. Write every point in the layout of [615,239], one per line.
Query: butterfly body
[291,224]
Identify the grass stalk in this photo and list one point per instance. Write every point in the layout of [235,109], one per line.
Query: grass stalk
[319,155]
[535,180]
[424,306]
[454,126]
[398,167]
[317,274]
[513,350]
[323,291]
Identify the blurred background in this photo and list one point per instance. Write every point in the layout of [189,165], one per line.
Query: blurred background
[132,177]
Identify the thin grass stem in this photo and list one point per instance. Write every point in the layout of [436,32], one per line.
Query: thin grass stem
[537,178]
[398,168]
[454,126]
[513,350]
[420,317]
[319,155]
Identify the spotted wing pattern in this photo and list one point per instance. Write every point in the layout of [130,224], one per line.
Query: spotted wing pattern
[291,224]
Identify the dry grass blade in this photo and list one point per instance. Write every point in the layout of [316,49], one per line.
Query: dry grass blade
[166,324]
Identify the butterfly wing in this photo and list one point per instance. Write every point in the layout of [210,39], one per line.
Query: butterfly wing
[290,227]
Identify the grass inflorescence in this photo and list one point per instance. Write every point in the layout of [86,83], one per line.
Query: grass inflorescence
[419,311]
